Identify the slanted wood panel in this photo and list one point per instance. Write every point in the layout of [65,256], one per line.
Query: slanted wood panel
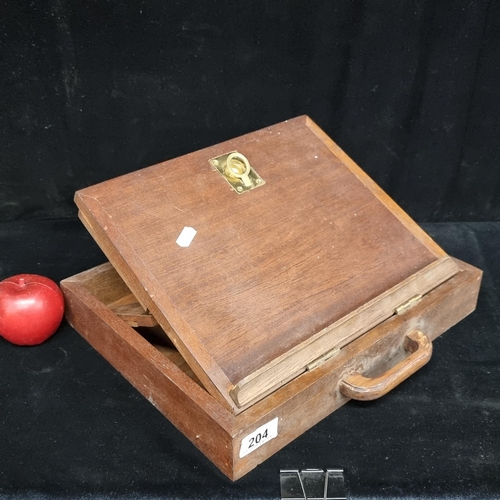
[267,269]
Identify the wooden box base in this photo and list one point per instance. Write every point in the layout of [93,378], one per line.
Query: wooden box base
[236,443]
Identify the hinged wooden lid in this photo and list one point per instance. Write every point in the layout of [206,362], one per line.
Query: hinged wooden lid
[278,274]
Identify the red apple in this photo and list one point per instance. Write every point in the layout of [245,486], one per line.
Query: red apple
[31,309]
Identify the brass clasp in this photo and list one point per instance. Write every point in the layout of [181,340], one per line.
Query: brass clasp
[237,171]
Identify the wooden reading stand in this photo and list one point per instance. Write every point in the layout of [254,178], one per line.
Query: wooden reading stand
[302,285]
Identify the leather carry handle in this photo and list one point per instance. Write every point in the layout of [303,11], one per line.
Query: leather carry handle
[361,388]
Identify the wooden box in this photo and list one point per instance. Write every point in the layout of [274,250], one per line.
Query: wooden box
[256,285]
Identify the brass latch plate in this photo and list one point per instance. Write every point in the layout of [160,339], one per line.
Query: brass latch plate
[237,171]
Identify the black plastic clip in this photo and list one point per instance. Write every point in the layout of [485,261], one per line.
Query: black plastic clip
[312,484]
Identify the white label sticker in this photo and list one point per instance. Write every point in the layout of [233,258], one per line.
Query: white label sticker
[258,437]
[186,237]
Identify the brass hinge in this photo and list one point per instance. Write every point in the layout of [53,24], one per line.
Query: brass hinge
[319,361]
[406,305]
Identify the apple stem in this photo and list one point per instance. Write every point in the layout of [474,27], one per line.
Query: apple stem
[21,282]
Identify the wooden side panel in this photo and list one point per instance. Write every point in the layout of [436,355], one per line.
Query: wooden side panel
[184,403]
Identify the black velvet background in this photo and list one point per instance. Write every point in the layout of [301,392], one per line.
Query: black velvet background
[93,89]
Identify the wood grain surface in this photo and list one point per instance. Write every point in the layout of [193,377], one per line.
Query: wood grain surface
[269,270]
